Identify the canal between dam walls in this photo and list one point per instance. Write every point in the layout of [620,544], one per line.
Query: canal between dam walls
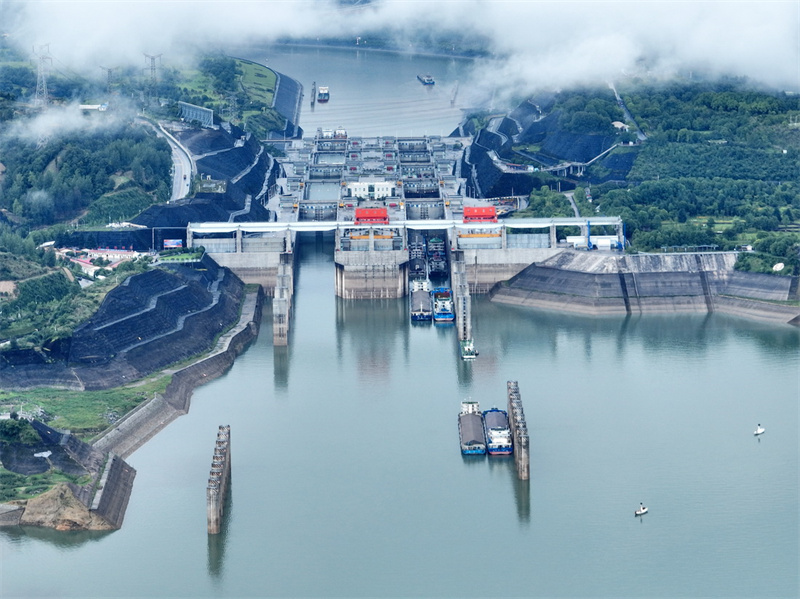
[347,479]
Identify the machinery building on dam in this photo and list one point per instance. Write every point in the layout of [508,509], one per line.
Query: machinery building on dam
[371,192]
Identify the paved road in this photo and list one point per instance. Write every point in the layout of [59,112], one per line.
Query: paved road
[183,166]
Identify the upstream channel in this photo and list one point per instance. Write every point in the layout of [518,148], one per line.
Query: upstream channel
[347,479]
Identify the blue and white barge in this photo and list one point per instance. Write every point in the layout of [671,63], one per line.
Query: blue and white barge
[443,305]
[498,432]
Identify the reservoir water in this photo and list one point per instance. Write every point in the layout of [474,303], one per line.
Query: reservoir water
[347,479]
[375,93]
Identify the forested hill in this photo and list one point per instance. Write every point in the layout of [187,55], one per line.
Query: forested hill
[94,178]
[713,163]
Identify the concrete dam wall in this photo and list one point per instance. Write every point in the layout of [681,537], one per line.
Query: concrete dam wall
[602,284]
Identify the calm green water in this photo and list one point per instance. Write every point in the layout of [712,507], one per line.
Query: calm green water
[376,93]
[348,481]
[347,476]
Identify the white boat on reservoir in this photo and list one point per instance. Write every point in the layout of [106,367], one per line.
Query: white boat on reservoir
[641,511]
[759,430]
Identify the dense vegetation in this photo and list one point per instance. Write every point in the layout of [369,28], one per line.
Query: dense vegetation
[58,181]
[17,430]
[720,166]
[588,111]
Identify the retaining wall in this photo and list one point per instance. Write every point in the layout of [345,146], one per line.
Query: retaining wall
[145,422]
[114,491]
[594,283]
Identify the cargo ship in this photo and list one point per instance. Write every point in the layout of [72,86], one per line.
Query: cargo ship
[470,429]
[443,305]
[437,258]
[417,269]
[416,245]
[498,433]
[426,79]
[420,301]
[323,95]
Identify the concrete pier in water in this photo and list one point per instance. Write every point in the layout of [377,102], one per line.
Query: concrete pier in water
[218,479]
[519,431]
[461,295]
[282,301]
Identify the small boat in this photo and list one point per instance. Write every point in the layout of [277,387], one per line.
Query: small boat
[498,433]
[426,79]
[468,351]
[641,511]
[470,429]
[323,95]
[759,430]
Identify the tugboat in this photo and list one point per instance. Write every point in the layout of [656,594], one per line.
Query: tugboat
[426,79]
[468,351]
[324,94]
[470,429]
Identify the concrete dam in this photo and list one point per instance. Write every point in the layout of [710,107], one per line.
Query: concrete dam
[373,193]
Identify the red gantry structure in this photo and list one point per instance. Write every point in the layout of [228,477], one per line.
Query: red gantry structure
[372,216]
[480,214]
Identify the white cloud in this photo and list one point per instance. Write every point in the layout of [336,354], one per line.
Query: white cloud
[546,42]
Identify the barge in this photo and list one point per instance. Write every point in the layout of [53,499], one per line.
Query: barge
[417,269]
[420,301]
[470,429]
[437,258]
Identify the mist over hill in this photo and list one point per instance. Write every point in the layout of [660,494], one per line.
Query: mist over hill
[538,44]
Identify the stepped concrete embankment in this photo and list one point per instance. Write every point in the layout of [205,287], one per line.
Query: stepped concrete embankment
[612,284]
[152,320]
[140,425]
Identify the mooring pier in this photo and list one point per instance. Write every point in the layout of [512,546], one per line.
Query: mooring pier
[519,431]
[219,479]
[463,301]
[282,300]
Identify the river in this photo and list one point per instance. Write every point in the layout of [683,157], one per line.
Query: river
[347,479]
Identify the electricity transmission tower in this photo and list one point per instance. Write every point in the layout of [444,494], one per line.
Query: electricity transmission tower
[109,73]
[41,100]
[153,68]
